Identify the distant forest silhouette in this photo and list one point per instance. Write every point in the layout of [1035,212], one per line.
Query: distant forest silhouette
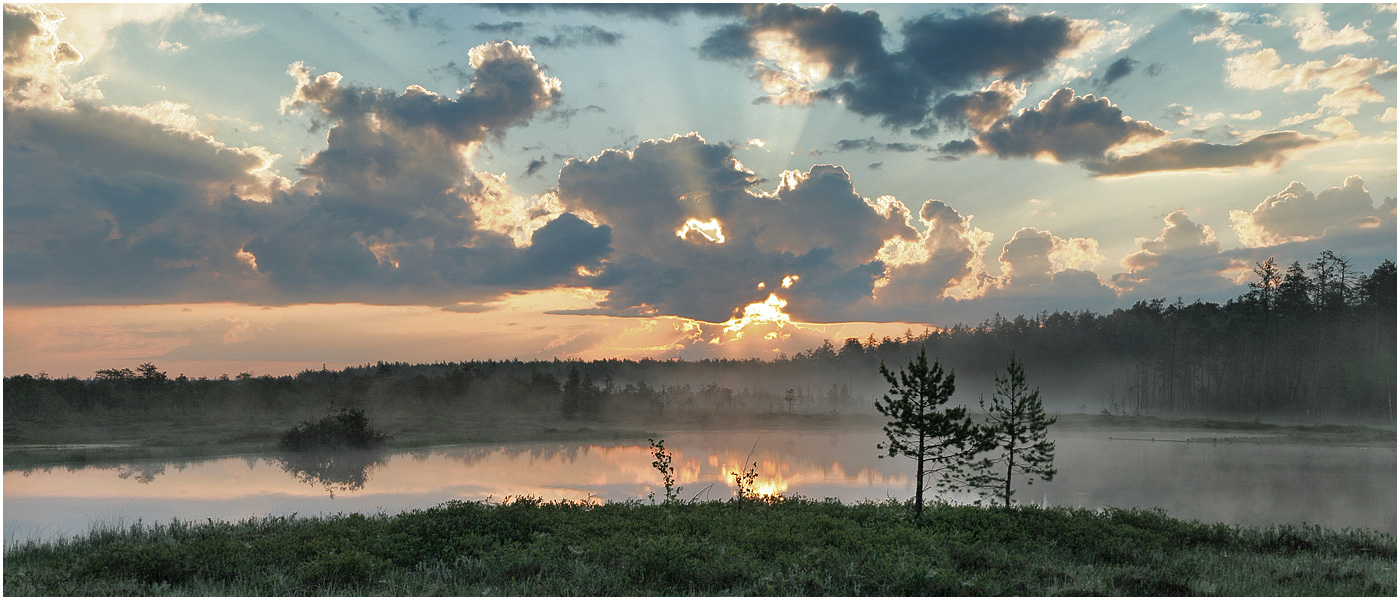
[1315,341]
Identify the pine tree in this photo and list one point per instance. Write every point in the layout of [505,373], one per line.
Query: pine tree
[941,439]
[1016,427]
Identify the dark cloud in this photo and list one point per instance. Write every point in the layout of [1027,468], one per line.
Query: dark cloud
[1066,127]
[105,205]
[979,110]
[870,145]
[939,55]
[1185,155]
[647,196]
[535,166]
[875,166]
[569,36]
[958,147]
[505,27]
[1119,69]
[409,15]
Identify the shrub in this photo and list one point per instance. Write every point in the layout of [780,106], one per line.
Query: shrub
[346,429]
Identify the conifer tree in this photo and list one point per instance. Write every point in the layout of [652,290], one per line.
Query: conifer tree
[1016,428]
[941,439]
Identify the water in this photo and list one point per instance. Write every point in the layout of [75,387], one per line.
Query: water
[1255,484]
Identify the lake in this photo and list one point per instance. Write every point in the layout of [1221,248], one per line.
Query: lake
[1254,484]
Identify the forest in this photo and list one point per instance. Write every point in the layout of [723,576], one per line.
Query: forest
[1312,342]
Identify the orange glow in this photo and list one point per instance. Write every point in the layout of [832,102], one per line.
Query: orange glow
[711,230]
[769,311]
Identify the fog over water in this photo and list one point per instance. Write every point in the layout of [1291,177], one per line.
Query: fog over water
[1244,483]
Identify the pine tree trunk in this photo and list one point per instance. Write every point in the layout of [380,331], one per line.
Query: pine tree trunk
[919,481]
[1010,462]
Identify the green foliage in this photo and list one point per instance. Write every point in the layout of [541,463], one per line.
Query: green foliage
[526,547]
[940,438]
[663,465]
[348,428]
[1016,426]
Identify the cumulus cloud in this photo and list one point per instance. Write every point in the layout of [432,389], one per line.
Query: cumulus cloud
[132,204]
[1297,214]
[981,109]
[1182,260]
[35,57]
[1269,149]
[1314,33]
[810,54]
[693,236]
[946,261]
[1066,127]
[1034,256]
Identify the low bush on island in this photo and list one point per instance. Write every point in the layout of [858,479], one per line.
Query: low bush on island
[348,429]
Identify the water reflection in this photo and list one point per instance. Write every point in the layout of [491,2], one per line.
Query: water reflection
[334,471]
[1249,484]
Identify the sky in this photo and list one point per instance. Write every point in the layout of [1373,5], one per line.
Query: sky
[268,188]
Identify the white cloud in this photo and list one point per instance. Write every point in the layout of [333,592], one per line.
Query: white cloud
[172,47]
[1314,33]
[1263,70]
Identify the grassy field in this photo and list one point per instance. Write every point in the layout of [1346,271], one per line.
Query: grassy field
[797,547]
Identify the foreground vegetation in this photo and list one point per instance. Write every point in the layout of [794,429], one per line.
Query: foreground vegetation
[796,547]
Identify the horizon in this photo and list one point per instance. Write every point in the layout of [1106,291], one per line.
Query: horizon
[269,188]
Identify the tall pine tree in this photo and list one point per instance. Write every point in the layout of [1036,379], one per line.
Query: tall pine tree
[1016,428]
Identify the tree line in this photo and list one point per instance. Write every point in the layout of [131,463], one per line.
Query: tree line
[1314,340]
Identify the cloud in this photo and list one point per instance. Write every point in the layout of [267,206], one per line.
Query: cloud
[535,166]
[1314,33]
[409,15]
[1221,23]
[1066,127]
[946,261]
[35,57]
[1118,69]
[979,110]
[1296,214]
[666,13]
[569,36]
[171,47]
[800,49]
[1269,149]
[132,204]
[505,28]
[1263,70]
[1033,256]
[870,145]
[738,236]
[1183,260]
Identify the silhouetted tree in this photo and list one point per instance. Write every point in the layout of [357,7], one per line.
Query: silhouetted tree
[1016,427]
[940,438]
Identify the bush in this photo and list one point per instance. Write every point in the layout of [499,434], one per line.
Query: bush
[347,429]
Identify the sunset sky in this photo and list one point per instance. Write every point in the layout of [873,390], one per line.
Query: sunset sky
[269,188]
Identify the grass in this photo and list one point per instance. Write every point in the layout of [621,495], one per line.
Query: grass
[797,547]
